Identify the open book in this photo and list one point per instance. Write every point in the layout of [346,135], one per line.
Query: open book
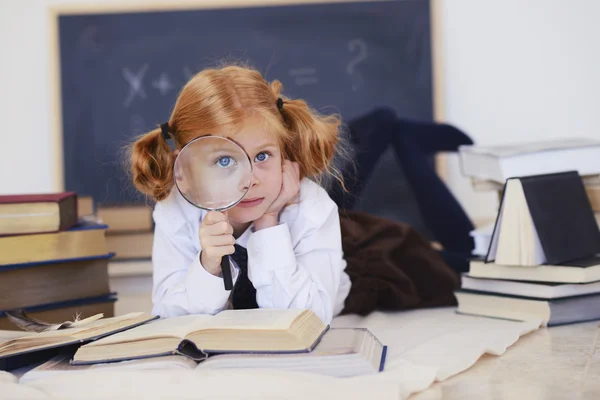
[24,321]
[342,352]
[196,336]
[544,219]
[34,347]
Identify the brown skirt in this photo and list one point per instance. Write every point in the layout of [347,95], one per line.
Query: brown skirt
[392,267]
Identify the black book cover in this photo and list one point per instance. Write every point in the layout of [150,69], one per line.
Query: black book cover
[563,216]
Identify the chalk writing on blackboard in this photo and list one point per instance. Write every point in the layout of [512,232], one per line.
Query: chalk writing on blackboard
[358,46]
[304,76]
[135,83]
[163,84]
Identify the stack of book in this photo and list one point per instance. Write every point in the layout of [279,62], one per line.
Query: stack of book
[131,231]
[282,339]
[53,264]
[488,168]
[543,260]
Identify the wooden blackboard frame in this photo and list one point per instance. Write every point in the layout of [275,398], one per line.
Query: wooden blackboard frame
[99,7]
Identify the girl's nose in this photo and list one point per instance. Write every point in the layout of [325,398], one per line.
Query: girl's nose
[255,181]
[252,182]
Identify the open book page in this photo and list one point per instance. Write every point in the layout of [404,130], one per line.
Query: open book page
[63,333]
[359,341]
[9,335]
[100,326]
[341,341]
[517,242]
[27,323]
[16,345]
[256,319]
[521,231]
[175,327]
[60,365]
[95,328]
[493,247]
[506,235]
[529,245]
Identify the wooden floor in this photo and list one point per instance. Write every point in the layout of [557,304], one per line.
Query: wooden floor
[552,363]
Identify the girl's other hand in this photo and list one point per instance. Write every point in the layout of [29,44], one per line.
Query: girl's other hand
[290,186]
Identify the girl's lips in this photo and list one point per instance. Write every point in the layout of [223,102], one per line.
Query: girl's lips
[251,202]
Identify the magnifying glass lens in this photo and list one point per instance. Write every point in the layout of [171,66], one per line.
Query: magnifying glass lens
[213,173]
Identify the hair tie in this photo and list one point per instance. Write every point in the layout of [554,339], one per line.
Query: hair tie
[164,128]
[279,103]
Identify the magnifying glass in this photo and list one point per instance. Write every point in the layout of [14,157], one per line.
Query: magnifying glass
[213,173]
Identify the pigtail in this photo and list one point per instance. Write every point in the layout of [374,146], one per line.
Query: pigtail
[152,165]
[314,140]
[221,100]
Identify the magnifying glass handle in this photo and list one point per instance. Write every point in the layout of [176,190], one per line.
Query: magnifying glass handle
[226,268]
[226,271]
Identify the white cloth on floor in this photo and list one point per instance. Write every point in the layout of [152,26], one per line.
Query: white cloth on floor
[437,342]
[424,346]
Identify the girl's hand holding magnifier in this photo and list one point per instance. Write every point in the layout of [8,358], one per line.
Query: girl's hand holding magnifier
[216,240]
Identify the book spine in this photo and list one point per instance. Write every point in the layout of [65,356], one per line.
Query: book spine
[9,267]
[112,297]
[383,358]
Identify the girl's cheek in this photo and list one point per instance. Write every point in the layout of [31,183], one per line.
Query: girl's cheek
[269,174]
[269,167]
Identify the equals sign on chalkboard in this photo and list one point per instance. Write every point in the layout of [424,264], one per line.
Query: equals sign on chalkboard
[304,76]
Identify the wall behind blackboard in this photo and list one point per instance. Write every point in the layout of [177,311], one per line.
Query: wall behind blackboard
[121,72]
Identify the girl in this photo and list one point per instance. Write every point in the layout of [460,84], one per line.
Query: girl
[285,237]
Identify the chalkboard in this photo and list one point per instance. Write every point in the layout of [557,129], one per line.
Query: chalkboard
[121,72]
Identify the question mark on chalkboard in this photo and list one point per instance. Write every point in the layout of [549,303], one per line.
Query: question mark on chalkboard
[360,46]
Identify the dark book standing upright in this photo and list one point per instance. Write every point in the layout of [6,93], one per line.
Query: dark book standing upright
[549,217]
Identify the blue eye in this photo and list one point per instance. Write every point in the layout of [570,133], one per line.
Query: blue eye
[225,161]
[260,157]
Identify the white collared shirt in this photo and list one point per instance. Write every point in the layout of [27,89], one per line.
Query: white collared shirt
[296,264]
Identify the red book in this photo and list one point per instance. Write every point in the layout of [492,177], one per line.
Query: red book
[37,213]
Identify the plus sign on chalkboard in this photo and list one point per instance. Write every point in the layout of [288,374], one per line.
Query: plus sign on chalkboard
[121,72]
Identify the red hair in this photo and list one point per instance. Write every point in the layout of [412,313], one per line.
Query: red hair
[221,100]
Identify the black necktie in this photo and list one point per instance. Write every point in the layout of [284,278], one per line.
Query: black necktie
[244,294]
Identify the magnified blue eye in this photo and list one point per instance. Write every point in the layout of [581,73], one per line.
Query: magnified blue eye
[225,161]
[260,157]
